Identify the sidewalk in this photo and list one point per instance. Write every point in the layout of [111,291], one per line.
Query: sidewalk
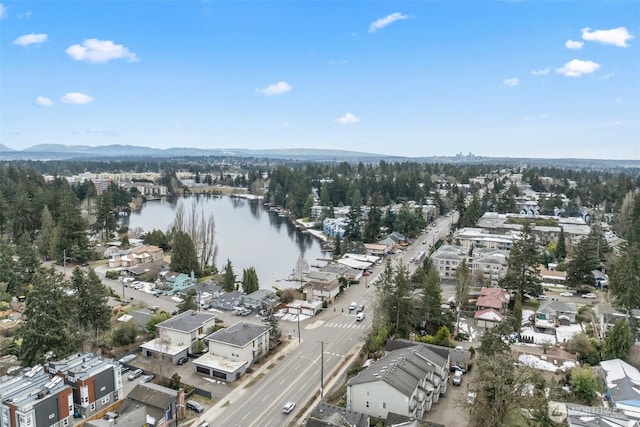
[236,394]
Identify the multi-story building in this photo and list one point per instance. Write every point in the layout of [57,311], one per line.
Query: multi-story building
[96,382]
[492,263]
[447,259]
[471,237]
[34,399]
[176,335]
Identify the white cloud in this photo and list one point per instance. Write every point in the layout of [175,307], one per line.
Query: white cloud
[29,39]
[3,11]
[511,82]
[541,72]
[347,119]
[41,101]
[276,89]
[578,67]
[616,36]
[573,44]
[27,14]
[383,22]
[76,98]
[100,51]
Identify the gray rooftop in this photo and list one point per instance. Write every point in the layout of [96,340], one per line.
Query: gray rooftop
[81,365]
[327,415]
[554,307]
[153,395]
[403,369]
[239,334]
[188,321]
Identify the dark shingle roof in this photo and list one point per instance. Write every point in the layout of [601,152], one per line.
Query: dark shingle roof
[239,334]
[187,321]
[394,419]
[153,395]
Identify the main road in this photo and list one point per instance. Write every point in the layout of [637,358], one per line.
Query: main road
[296,378]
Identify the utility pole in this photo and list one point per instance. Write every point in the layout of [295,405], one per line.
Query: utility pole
[299,309]
[321,370]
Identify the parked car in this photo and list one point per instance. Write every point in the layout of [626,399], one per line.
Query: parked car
[147,378]
[290,406]
[182,360]
[194,406]
[456,368]
[543,298]
[135,374]
[566,294]
[590,296]
[245,312]
[457,378]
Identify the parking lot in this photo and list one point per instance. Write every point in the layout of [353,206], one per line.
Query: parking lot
[451,409]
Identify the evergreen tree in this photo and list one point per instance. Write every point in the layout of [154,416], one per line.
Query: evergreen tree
[45,241]
[228,277]
[523,275]
[337,250]
[625,280]
[618,341]
[584,261]
[48,322]
[431,301]
[188,302]
[250,280]
[105,223]
[91,298]
[395,302]
[561,248]
[27,263]
[183,254]
[372,226]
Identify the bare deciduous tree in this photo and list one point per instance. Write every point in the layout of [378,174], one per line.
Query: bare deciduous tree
[201,229]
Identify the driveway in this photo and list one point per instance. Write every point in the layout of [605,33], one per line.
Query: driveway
[451,409]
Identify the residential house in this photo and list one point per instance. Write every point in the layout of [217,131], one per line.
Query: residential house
[96,382]
[163,406]
[407,381]
[134,417]
[340,270]
[136,256]
[586,416]
[322,291]
[107,251]
[621,383]
[606,316]
[228,300]
[327,415]
[456,356]
[552,314]
[234,349]
[495,298]
[175,282]
[550,276]
[377,249]
[33,398]
[176,336]
[261,299]
[334,227]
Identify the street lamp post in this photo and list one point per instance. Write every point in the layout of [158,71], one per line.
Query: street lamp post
[321,370]
[299,309]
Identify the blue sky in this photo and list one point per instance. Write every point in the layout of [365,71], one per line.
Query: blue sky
[411,78]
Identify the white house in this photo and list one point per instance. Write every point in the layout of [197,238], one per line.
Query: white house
[232,350]
[175,336]
[406,381]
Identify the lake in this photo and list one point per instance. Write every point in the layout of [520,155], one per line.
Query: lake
[246,233]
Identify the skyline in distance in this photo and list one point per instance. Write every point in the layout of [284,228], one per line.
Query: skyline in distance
[417,79]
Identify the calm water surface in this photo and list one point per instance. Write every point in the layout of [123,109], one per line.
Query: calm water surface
[246,233]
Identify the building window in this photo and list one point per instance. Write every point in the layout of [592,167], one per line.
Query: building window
[384,405]
[65,422]
[367,404]
[93,406]
[105,400]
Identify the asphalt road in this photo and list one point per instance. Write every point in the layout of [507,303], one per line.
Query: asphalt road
[296,378]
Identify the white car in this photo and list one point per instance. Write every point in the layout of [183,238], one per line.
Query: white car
[566,294]
[286,409]
[589,296]
[457,378]
[543,298]
[353,306]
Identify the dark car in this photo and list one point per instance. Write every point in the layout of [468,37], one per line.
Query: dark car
[455,368]
[182,360]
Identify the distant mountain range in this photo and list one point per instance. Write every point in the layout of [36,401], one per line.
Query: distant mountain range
[131,152]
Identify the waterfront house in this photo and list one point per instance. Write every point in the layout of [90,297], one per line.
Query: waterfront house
[261,299]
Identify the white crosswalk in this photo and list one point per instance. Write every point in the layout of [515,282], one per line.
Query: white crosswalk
[350,325]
